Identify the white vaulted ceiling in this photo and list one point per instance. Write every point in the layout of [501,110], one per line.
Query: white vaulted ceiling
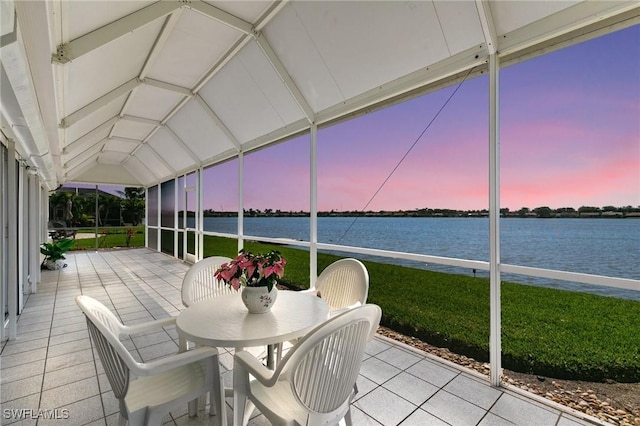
[137,92]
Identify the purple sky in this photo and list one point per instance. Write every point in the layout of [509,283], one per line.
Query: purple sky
[570,136]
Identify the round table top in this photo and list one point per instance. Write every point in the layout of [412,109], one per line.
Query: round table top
[224,321]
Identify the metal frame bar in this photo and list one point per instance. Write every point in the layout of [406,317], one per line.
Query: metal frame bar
[102,101]
[495,344]
[285,76]
[221,16]
[313,204]
[12,237]
[84,44]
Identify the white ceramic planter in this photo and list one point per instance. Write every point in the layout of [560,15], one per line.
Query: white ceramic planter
[259,300]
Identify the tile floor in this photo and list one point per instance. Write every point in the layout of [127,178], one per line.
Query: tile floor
[51,370]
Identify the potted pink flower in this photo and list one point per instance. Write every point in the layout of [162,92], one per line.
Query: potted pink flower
[256,272]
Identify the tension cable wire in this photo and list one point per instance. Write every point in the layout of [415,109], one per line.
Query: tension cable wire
[406,154]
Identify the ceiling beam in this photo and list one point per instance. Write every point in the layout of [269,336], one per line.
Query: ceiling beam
[84,44]
[489,30]
[102,101]
[167,29]
[91,134]
[167,86]
[218,122]
[141,120]
[220,16]
[284,76]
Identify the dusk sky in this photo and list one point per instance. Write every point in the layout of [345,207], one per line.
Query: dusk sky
[570,137]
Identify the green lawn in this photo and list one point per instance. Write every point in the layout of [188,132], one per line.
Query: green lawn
[110,238]
[548,332]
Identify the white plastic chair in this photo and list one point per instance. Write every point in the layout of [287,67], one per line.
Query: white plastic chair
[199,283]
[314,383]
[149,391]
[344,284]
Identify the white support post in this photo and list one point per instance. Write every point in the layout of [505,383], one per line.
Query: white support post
[313,207]
[240,201]
[159,219]
[495,349]
[176,190]
[12,243]
[23,256]
[33,228]
[200,212]
[146,217]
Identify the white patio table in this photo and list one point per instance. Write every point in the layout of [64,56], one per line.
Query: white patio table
[224,321]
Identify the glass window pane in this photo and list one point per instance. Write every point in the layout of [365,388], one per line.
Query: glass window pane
[168,205]
[276,190]
[220,197]
[152,206]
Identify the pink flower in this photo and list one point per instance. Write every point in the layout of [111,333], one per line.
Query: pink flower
[252,269]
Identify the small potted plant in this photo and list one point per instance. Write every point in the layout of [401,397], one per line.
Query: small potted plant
[54,253]
[257,275]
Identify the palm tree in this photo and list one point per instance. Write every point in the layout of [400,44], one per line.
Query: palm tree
[133,205]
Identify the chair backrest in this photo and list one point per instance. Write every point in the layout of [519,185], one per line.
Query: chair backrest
[105,330]
[323,367]
[343,284]
[199,282]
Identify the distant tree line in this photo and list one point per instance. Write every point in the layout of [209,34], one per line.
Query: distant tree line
[524,212]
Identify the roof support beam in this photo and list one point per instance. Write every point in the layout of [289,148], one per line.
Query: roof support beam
[102,101]
[141,120]
[167,86]
[218,122]
[220,16]
[92,134]
[489,30]
[284,76]
[167,28]
[84,44]
[121,139]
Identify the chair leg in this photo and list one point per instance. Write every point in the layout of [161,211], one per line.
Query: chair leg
[193,408]
[347,417]
[216,397]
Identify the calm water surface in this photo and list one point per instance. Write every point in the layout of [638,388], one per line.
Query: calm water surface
[608,247]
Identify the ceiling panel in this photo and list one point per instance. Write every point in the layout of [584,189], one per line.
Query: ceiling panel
[196,40]
[139,171]
[82,17]
[172,152]
[120,145]
[132,129]
[295,48]
[234,93]
[152,102]
[456,15]
[247,10]
[199,132]
[508,15]
[102,70]
[391,39]
[112,157]
[152,161]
